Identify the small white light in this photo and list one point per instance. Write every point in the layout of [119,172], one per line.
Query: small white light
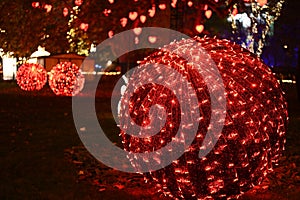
[109,63]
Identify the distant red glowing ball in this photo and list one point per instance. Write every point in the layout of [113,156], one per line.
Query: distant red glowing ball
[253,135]
[66,79]
[31,76]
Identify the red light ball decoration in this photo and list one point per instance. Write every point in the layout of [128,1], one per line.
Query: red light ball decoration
[66,79]
[253,135]
[31,76]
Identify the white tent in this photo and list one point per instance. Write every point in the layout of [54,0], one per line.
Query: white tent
[41,52]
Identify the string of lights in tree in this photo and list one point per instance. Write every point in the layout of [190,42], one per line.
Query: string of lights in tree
[31,76]
[137,13]
[203,11]
[253,135]
[77,36]
[66,79]
[251,21]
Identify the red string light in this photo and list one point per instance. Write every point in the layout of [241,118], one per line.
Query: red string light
[253,135]
[31,77]
[66,79]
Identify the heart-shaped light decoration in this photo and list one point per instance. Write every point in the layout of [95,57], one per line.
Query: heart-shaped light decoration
[48,7]
[35,4]
[173,4]
[106,12]
[133,15]
[262,2]
[199,28]
[151,11]
[152,39]
[143,18]
[235,11]
[84,26]
[136,40]
[65,12]
[162,6]
[137,30]
[208,14]
[110,34]
[123,21]
[78,2]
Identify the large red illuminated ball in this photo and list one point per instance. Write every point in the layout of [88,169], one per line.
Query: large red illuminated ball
[253,135]
[31,76]
[66,79]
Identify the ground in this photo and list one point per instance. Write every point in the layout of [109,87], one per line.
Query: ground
[42,157]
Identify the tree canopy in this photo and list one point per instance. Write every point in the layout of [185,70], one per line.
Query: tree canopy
[24,27]
[72,25]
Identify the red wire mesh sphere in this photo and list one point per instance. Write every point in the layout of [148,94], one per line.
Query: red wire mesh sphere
[253,135]
[66,79]
[31,76]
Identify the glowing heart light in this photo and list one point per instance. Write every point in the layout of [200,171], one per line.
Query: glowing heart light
[133,15]
[174,3]
[143,18]
[151,11]
[31,76]
[162,6]
[235,11]
[110,34]
[65,12]
[199,28]
[190,3]
[262,2]
[137,30]
[208,14]
[66,79]
[84,26]
[78,2]
[136,40]
[35,4]
[106,12]
[48,7]
[123,21]
[253,135]
[152,39]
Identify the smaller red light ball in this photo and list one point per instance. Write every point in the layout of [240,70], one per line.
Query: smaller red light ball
[66,79]
[31,76]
